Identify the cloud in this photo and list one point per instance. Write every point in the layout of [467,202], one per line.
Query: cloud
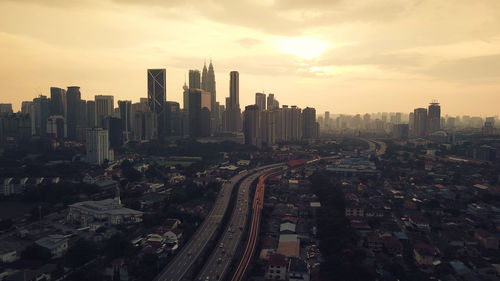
[484,68]
[248,42]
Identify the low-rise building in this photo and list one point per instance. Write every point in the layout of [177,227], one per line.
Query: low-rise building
[276,268]
[297,270]
[56,244]
[108,211]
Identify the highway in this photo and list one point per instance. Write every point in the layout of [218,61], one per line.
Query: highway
[178,268]
[219,262]
[258,203]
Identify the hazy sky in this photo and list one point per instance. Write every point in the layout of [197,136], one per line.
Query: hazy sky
[346,56]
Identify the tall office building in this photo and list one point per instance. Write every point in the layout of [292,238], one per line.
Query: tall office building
[260,101]
[57,101]
[125,107]
[434,117]
[28,109]
[90,108]
[73,98]
[174,121]
[41,113]
[194,79]
[97,146]
[327,119]
[185,97]
[104,107]
[272,102]
[233,111]
[420,122]
[195,123]
[15,127]
[206,101]
[156,99]
[251,125]
[309,126]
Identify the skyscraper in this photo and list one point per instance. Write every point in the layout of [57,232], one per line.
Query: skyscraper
[185,97]
[104,107]
[420,122]
[174,121]
[73,98]
[125,107]
[234,89]
[6,108]
[97,146]
[233,111]
[434,117]
[208,85]
[251,125]
[195,123]
[156,99]
[260,101]
[309,127]
[57,101]
[90,108]
[194,79]
[41,113]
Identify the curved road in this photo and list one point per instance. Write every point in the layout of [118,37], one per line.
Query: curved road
[180,265]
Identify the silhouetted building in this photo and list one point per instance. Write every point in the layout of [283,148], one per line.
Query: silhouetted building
[73,98]
[57,101]
[115,131]
[15,127]
[194,79]
[126,117]
[209,85]
[251,125]
[260,101]
[434,117]
[309,127]
[28,109]
[174,121]
[97,146]
[41,113]
[156,99]
[400,131]
[233,111]
[420,122]
[104,107]
[195,123]
[90,109]
[6,108]
[185,97]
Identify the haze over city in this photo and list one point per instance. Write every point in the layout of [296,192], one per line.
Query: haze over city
[342,56]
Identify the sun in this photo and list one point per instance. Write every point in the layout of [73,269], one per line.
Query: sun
[302,47]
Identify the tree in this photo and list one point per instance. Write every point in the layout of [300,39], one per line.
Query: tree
[82,252]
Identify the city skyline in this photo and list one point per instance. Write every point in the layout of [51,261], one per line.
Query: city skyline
[343,57]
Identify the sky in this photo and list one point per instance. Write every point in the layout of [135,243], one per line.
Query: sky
[344,56]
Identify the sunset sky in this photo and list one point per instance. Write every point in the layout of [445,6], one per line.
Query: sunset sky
[345,56]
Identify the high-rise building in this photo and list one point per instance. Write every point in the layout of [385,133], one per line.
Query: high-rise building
[174,121]
[270,102]
[194,79]
[6,108]
[195,123]
[125,108]
[251,125]
[15,127]
[185,97]
[260,101]
[57,101]
[115,131]
[156,99]
[90,111]
[41,107]
[208,85]
[234,89]
[233,111]
[420,122]
[206,100]
[434,117]
[73,98]
[104,107]
[309,127]
[28,109]
[97,146]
